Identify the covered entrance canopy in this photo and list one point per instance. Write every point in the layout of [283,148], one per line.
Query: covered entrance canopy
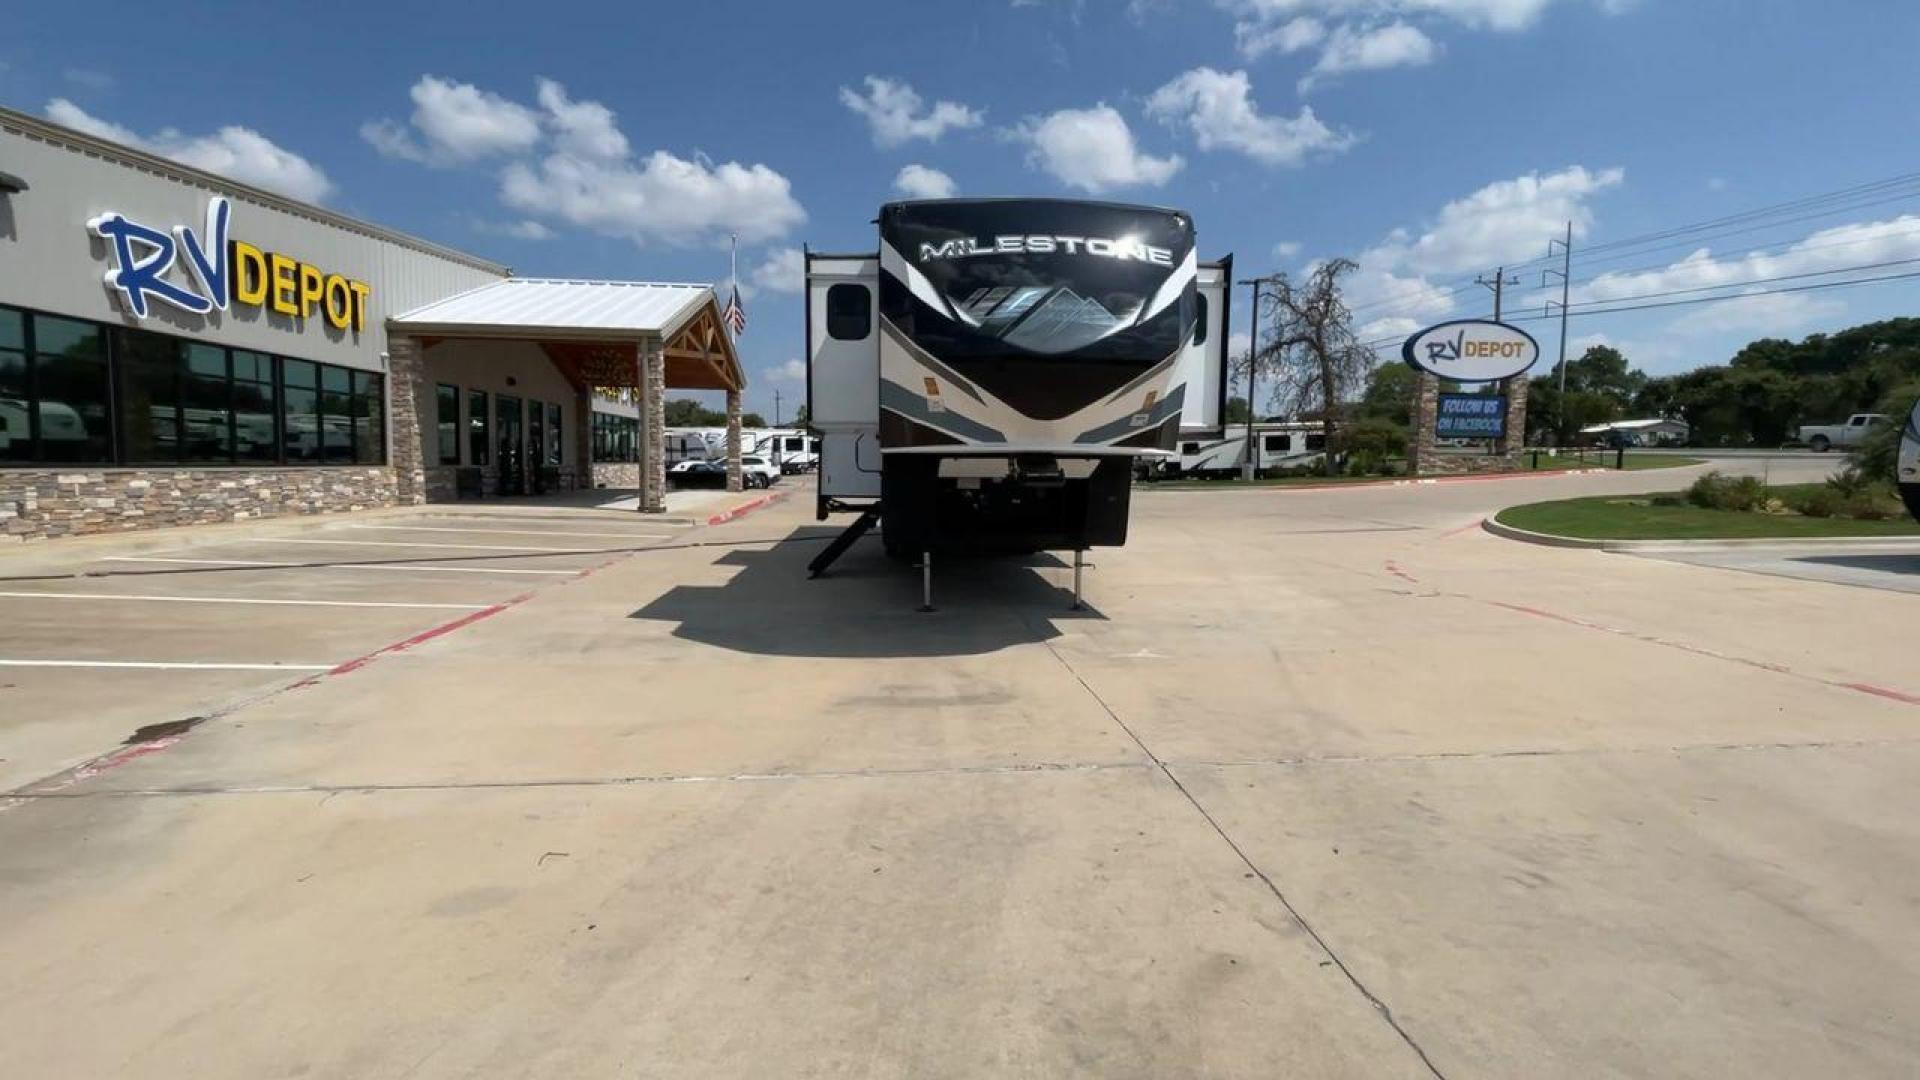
[604,337]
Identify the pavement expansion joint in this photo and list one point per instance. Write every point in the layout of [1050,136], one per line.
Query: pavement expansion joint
[1380,1006]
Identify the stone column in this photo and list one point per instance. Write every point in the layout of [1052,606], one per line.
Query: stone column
[653,428]
[583,438]
[1516,437]
[1422,448]
[735,480]
[407,386]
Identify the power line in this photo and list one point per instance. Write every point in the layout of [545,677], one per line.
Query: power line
[1621,308]
[1845,200]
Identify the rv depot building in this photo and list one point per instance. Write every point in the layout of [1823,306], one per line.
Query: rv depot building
[177,348]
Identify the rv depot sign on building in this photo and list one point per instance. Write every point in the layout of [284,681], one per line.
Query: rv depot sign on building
[222,272]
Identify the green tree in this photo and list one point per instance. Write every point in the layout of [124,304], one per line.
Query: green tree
[749,420]
[802,418]
[1389,393]
[1238,411]
[686,412]
[1878,454]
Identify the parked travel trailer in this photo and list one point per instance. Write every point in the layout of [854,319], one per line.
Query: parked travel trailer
[1279,445]
[793,450]
[986,379]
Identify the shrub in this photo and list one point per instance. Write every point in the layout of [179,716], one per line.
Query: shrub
[1716,491]
[1851,482]
[1868,506]
[1821,502]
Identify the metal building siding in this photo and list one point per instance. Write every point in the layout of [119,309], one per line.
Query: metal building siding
[49,261]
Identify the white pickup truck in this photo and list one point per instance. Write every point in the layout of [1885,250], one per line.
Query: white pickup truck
[1824,437]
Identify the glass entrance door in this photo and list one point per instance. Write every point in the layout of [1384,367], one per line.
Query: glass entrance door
[511,445]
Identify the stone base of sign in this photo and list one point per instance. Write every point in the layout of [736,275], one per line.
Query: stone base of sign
[1453,463]
[1425,455]
[41,504]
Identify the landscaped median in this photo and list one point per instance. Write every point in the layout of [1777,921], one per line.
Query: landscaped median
[1715,508]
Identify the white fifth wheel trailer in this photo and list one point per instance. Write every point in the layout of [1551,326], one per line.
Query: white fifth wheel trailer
[1277,445]
[1908,468]
[986,379]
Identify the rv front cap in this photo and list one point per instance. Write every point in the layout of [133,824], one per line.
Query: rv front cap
[1471,350]
[1124,247]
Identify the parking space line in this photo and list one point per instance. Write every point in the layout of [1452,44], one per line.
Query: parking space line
[235,600]
[406,544]
[165,665]
[409,569]
[516,532]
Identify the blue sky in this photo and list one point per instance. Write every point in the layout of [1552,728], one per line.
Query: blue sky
[1429,139]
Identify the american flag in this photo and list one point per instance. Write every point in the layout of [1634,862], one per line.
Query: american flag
[735,316]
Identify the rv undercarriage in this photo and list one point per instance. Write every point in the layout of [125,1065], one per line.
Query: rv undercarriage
[992,505]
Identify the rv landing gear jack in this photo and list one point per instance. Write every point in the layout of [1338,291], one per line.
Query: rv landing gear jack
[1078,555]
[926,581]
[845,540]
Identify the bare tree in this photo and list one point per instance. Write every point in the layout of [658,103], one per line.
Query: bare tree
[1309,350]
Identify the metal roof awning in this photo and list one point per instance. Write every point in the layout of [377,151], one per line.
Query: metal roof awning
[591,329]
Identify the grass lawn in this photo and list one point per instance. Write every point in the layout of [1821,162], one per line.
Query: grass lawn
[1634,517]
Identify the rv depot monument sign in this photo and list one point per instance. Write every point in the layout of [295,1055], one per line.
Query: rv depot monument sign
[1483,362]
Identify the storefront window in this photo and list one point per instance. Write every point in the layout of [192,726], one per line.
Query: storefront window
[537,432]
[615,438]
[369,419]
[255,407]
[478,442]
[301,432]
[446,404]
[174,400]
[554,442]
[69,375]
[16,427]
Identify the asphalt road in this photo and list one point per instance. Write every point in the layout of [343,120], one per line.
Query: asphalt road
[1324,783]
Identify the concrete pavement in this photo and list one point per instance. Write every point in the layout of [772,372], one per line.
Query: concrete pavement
[1324,784]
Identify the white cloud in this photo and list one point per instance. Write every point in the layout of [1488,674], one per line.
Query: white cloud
[459,122]
[1843,246]
[1506,222]
[1285,249]
[784,270]
[921,182]
[1758,316]
[1218,108]
[1255,40]
[1094,150]
[791,371]
[1394,45]
[581,128]
[518,230]
[233,151]
[570,163]
[896,114]
[660,197]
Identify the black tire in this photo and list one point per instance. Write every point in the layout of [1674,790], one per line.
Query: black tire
[1820,444]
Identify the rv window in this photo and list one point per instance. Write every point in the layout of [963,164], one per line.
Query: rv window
[849,312]
[1190,449]
[1279,444]
[1316,442]
[1200,319]
[794,443]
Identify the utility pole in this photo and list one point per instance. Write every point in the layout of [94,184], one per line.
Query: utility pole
[1565,273]
[776,408]
[1249,466]
[1498,284]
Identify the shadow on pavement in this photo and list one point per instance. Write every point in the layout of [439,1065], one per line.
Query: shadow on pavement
[1883,564]
[866,605]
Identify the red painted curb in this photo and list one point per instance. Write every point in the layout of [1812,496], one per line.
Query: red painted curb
[746,508]
[420,638]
